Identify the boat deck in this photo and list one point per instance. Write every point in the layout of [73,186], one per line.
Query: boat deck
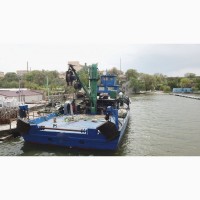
[75,122]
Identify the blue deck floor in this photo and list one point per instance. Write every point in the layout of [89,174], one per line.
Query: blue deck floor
[80,122]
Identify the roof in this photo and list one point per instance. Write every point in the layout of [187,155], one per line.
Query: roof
[109,75]
[8,93]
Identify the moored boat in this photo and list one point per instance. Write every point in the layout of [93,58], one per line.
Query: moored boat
[97,121]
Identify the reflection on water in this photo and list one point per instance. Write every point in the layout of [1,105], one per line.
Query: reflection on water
[159,125]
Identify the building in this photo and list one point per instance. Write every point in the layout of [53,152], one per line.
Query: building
[122,78]
[11,102]
[1,74]
[77,65]
[27,96]
[21,72]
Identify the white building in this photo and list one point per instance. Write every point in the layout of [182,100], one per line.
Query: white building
[11,102]
[1,74]
[77,65]
[27,96]
[21,72]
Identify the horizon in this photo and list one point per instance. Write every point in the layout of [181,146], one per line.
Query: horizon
[172,60]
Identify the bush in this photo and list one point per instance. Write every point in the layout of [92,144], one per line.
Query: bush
[166,89]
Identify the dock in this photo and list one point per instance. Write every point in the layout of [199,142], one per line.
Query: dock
[187,96]
[8,130]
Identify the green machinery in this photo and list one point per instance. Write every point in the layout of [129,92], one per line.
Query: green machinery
[91,92]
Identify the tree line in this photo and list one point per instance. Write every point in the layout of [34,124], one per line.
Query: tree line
[146,82]
[36,80]
[136,81]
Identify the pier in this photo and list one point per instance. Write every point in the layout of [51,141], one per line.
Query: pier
[8,130]
[187,96]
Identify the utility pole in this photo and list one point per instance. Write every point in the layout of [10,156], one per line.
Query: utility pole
[27,66]
[48,87]
[19,89]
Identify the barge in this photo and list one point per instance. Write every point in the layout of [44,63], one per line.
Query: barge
[97,120]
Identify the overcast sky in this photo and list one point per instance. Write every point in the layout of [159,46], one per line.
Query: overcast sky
[168,59]
[104,31]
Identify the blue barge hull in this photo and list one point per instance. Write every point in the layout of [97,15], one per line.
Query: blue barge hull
[81,132]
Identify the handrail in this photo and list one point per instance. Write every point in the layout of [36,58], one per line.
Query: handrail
[62,129]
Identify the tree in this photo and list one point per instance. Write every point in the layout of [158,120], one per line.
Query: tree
[190,75]
[115,71]
[197,83]
[11,76]
[173,82]
[10,84]
[185,83]
[131,73]
[37,77]
[40,78]
[148,80]
[136,84]
[160,81]
[83,75]
[166,88]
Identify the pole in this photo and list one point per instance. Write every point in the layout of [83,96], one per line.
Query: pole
[19,91]
[120,65]
[48,88]
[27,66]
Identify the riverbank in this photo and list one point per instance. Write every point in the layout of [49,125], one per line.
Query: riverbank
[191,96]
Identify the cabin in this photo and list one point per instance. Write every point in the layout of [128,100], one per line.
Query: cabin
[182,90]
[108,85]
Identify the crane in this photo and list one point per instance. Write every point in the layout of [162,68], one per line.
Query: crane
[91,93]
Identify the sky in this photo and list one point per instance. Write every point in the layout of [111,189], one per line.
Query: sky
[168,59]
[149,36]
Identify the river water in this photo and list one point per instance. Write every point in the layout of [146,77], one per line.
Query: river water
[159,125]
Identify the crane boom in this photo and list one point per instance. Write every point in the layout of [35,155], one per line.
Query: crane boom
[93,78]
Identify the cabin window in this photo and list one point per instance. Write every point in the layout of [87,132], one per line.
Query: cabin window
[101,88]
[111,88]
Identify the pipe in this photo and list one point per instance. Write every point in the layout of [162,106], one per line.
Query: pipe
[62,129]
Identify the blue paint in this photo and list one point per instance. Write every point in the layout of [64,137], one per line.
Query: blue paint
[108,84]
[182,90]
[113,113]
[23,107]
[83,130]
[90,139]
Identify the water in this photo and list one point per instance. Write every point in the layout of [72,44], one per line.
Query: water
[159,125]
